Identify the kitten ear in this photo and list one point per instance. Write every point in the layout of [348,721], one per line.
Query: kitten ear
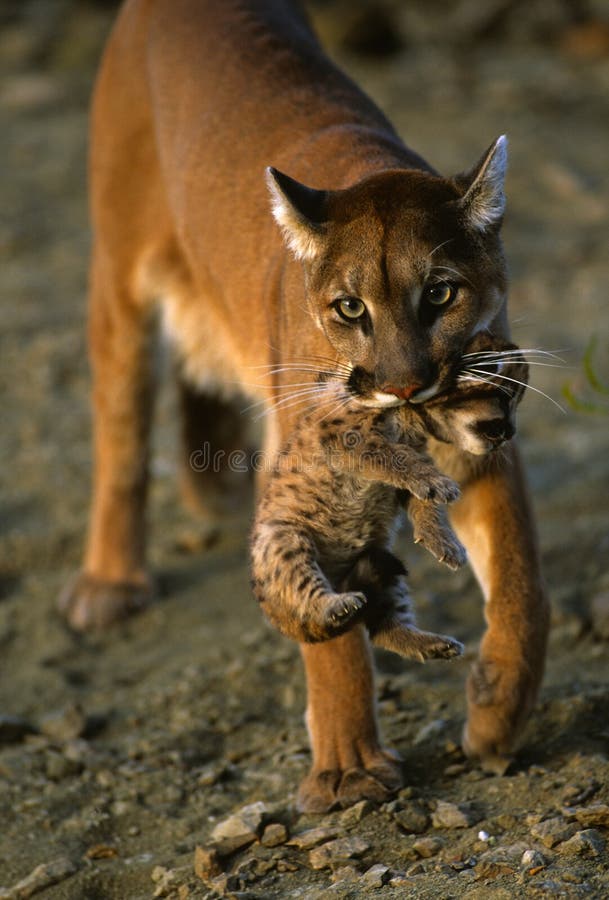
[300,211]
[484,200]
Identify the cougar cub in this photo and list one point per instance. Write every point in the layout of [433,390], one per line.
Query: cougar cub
[321,537]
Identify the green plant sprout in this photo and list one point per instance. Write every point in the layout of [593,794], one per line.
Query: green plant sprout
[568,391]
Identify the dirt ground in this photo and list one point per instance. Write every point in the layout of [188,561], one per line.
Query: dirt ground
[119,754]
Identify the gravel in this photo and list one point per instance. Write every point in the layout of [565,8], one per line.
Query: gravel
[162,759]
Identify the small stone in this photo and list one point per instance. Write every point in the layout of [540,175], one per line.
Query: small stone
[532,859]
[375,877]
[356,813]
[66,725]
[214,773]
[595,814]
[345,874]
[553,831]
[13,729]
[599,614]
[58,767]
[430,731]
[455,769]
[240,829]
[504,822]
[121,807]
[576,794]
[427,846]
[225,884]
[492,865]
[453,815]
[415,869]
[158,873]
[101,851]
[338,851]
[206,863]
[313,837]
[393,806]
[413,818]
[78,751]
[274,835]
[588,842]
[42,877]
[572,877]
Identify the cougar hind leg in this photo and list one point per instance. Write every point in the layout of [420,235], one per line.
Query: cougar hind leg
[215,471]
[114,582]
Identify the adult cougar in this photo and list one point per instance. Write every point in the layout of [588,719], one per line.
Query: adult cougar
[388,267]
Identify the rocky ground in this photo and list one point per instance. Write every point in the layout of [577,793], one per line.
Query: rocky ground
[161,759]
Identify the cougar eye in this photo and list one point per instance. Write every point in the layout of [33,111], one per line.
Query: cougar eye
[349,308]
[439,294]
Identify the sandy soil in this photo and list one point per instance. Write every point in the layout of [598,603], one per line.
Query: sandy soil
[119,754]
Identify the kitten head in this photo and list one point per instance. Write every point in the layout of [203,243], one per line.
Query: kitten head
[401,270]
[479,416]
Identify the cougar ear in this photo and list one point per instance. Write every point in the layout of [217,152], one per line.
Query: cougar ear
[484,200]
[300,212]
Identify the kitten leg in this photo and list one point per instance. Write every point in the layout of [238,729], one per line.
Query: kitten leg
[403,466]
[293,591]
[431,528]
[389,616]
[399,634]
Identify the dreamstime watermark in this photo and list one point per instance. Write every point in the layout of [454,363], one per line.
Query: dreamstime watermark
[348,452]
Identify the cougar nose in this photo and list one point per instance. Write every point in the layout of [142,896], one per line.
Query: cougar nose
[404,393]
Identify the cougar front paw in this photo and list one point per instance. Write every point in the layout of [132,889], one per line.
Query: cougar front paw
[343,608]
[89,603]
[377,780]
[498,705]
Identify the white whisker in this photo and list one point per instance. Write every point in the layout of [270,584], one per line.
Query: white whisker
[516,362]
[477,379]
[314,370]
[299,401]
[523,384]
[530,351]
[312,364]
[341,403]
[429,255]
[456,272]
[311,389]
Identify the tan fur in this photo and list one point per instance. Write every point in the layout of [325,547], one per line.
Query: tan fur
[194,100]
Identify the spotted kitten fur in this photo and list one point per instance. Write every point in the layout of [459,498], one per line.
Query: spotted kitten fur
[320,549]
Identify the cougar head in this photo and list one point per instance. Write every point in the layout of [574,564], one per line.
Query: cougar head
[401,270]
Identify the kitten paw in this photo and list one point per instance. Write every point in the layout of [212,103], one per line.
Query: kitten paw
[404,638]
[440,646]
[436,488]
[446,549]
[454,555]
[343,608]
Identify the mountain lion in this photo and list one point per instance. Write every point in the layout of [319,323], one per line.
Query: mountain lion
[386,267]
